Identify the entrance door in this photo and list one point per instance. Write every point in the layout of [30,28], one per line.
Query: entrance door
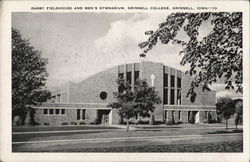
[197,117]
[103,116]
[105,119]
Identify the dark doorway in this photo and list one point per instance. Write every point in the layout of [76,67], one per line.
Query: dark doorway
[103,116]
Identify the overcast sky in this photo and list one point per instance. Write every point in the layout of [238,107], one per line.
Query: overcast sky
[79,45]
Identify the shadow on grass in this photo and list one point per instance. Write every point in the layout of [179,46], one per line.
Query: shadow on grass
[225,132]
[154,130]
[158,127]
[28,137]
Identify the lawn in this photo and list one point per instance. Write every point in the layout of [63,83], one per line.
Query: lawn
[204,147]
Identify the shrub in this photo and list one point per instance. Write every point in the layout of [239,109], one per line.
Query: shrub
[179,122]
[64,123]
[152,120]
[45,123]
[158,122]
[143,121]
[169,122]
[82,123]
[73,123]
[96,122]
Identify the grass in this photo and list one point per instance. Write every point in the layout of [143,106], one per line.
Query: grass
[205,147]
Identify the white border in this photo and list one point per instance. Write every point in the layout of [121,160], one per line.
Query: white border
[5,58]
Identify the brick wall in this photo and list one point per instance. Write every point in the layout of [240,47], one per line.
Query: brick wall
[203,97]
[149,68]
[88,91]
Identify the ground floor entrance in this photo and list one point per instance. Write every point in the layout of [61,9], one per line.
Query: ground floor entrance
[104,117]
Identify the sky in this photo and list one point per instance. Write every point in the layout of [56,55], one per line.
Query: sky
[79,45]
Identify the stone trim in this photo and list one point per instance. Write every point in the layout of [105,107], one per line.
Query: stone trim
[43,107]
[189,106]
[190,109]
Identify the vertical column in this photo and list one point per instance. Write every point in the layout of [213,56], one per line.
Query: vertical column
[133,76]
[68,90]
[141,69]
[175,86]
[110,116]
[125,72]
[169,86]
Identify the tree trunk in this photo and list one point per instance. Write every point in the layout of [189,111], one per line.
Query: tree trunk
[127,125]
[226,125]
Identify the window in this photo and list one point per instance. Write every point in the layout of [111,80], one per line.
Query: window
[45,111]
[103,95]
[57,111]
[165,96]
[172,81]
[165,80]
[178,82]
[206,115]
[62,111]
[121,88]
[83,114]
[172,97]
[121,75]
[178,97]
[179,115]
[51,111]
[129,77]
[166,115]
[136,76]
[78,114]
[58,97]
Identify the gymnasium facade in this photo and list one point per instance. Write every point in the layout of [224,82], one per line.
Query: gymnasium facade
[86,102]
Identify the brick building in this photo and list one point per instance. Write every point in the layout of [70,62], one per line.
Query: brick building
[86,102]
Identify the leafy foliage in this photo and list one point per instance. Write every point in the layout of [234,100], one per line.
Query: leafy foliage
[238,112]
[225,107]
[217,55]
[28,75]
[140,101]
[145,98]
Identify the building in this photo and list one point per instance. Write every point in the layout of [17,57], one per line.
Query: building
[86,102]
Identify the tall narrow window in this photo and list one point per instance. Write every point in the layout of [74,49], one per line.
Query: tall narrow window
[178,97]
[165,80]
[59,98]
[121,75]
[206,115]
[136,76]
[172,97]
[129,77]
[166,115]
[179,115]
[83,114]
[172,80]
[178,82]
[78,114]
[62,111]
[165,96]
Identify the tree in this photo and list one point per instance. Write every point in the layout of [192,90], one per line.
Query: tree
[28,75]
[125,101]
[131,103]
[146,98]
[238,112]
[225,108]
[217,55]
